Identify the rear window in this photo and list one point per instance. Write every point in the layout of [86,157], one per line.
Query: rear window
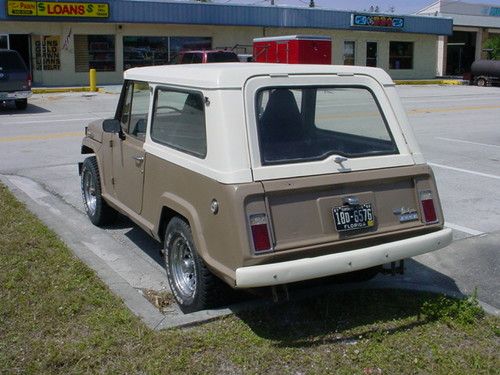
[222,57]
[10,60]
[311,123]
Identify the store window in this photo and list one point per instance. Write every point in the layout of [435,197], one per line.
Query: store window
[371,54]
[144,51]
[95,52]
[183,43]
[401,55]
[349,48]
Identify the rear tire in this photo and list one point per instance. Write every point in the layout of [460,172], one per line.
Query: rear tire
[193,286]
[21,103]
[481,82]
[96,207]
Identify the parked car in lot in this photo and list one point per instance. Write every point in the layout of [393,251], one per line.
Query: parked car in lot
[204,56]
[259,175]
[15,79]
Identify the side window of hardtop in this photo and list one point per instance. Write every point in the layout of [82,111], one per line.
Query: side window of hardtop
[179,121]
[133,114]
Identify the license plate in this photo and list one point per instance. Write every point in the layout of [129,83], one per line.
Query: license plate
[353,217]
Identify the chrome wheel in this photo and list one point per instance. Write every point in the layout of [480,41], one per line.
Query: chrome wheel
[183,267]
[89,192]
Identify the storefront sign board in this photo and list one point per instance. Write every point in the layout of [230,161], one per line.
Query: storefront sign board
[372,20]
[57,9]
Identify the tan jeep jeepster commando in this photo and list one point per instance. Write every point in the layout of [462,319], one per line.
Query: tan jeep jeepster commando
[263,174]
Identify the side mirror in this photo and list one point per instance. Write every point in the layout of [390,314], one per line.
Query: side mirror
[111,126]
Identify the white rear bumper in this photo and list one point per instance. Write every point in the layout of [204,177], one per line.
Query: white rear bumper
[15,95]
[333,264]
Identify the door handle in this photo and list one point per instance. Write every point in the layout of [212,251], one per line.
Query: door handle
[138,158]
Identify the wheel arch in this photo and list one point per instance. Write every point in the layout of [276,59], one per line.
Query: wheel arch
[171,206]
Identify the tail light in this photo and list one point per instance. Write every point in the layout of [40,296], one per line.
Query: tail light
[428,208]
[28,80]
[260,232]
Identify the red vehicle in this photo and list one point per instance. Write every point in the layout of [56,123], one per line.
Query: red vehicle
[293,49]
[204,56]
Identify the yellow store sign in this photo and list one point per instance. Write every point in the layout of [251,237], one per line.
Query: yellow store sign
[53,9]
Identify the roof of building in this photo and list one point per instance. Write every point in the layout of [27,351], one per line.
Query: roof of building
[166,12]
[234,75]
[465,14]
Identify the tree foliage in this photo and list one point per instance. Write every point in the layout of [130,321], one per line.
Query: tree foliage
[493,43]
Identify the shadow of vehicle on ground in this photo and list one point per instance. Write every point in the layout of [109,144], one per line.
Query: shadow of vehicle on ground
[9,108]
[331,303]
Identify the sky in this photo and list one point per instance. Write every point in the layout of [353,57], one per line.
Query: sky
[401,6]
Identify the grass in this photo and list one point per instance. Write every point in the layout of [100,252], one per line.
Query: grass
[57,317]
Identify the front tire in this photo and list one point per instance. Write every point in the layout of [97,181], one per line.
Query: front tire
[21,104]
[193,285]
[96,207]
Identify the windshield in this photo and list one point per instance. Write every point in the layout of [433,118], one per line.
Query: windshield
[311,123]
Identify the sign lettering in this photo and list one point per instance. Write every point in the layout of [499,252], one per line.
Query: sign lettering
[495,12]
[377,21]
[47,53]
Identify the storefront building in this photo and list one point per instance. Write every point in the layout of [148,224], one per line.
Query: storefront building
[473,26]
[61,41]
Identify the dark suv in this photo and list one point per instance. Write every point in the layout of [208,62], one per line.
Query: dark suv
[202,57]
[15,79]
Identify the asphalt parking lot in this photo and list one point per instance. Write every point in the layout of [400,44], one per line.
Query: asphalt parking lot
[458,129]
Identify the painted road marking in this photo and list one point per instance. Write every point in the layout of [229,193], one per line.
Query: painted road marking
[41,137]
[453,109]
[46,121]
[469,142]
[465,171]
[460,228]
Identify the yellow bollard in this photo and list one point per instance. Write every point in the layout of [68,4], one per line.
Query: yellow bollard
[92,79]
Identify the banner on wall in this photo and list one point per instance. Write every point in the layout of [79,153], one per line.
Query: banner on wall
[56,9]
[47,53]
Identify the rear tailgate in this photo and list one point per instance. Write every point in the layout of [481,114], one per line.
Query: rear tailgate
[302,209]
[13,81]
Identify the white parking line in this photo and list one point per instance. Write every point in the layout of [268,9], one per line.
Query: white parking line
[469,142]
[460,228]
[465,171]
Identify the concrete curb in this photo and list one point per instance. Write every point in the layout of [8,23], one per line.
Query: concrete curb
[431,82]
[60,90]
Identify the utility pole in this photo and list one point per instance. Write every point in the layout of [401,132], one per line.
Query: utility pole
[272,2]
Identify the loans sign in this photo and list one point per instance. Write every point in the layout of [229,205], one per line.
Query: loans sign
[53,9]
[377,21]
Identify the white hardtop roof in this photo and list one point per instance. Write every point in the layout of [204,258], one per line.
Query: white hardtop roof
[234,75]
